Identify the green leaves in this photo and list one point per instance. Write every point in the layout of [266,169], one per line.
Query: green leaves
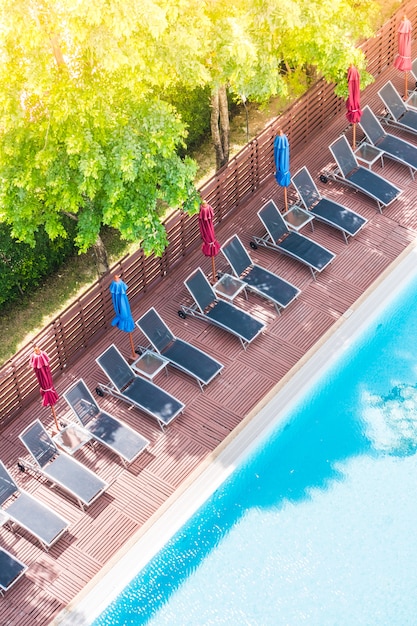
[84,130]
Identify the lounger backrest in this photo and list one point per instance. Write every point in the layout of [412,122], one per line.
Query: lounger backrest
[200,289]
[7,485]
[273,221]
[116,367]
[82,402]
[371,126]
[236,254]
[155,330]
[343,155]
[306,188]
[392,100]
[11,569]
[38,442]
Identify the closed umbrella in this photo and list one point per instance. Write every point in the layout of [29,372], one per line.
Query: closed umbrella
[353,103]
[282,163]
[39,361]
[210,246]
[403,60]
[123,320]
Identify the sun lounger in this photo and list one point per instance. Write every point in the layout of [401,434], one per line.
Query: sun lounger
[137,391]
[278,237]
[349,171]
[103,427]
[256,278]
[11,569]
[411,101]
[393,147]
[399,114]
[179,353]
[28,512]
[218,312]
[58,467]
[325,210]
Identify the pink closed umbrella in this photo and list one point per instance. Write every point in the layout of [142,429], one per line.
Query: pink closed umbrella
[39,361]
[353,102]
[403,60]
[211,246]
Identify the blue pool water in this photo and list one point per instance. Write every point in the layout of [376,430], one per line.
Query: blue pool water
[318,525]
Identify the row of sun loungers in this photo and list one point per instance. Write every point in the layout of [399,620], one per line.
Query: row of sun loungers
[61,470]
[278,236]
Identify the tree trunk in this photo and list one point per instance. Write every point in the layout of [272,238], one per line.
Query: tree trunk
[220,128]
[100,253]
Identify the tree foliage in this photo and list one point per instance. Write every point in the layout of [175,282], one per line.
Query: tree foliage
[22,267]
[82,134]
[86,128]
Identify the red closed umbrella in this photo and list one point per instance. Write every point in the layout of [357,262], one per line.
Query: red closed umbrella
[403,60]
[211,246]
[353,102]
[39,361]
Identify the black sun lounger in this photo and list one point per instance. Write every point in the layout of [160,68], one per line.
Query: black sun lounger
[137,391]
[349,171]
[256,278]
[278,237]
[58,467]
[412,94]
[325,210]
[179,353]
[11,569]
[103,427]
[393,147]
[218,312]
[399,114]
[28,512]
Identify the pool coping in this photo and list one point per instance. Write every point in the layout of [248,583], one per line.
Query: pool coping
[219,464]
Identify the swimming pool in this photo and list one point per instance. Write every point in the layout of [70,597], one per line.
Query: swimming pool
[322,516]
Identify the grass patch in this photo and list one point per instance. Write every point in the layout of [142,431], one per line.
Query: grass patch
[24,319]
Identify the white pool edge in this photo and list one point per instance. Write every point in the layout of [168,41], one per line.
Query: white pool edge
[143,546]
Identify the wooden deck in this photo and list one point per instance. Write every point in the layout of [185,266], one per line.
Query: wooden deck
[54,578]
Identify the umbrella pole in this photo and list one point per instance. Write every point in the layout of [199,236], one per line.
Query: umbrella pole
[132,346]
[285,199]
[405,85]
[213,269]
[55,417]
[354,137]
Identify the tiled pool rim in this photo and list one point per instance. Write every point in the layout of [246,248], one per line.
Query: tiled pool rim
[154,534]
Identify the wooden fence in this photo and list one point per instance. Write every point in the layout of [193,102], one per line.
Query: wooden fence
[89,317]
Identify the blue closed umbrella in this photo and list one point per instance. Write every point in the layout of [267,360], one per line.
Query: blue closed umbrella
[282,163]
[123,320]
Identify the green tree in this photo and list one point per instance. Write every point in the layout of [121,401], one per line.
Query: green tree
[82,134]
[84,129]
[259,45]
